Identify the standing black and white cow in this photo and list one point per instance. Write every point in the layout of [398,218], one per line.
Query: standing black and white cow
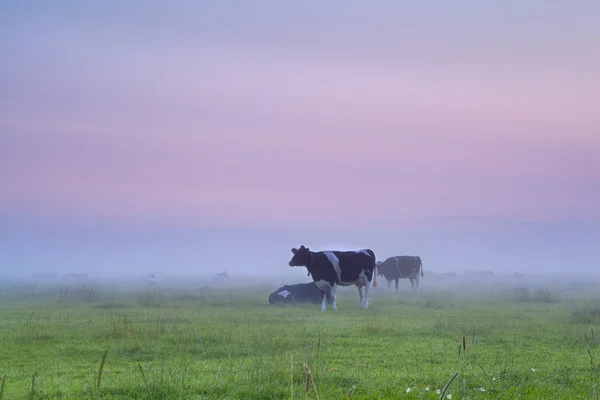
[400,267]
[330,269]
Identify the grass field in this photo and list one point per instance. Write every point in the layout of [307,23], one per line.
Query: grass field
[201,342]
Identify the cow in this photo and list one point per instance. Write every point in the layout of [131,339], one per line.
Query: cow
[221,277]
[152,280]
[330,269]
[149,281]
[399,267]
[478,273]
[298,293]
[75,277]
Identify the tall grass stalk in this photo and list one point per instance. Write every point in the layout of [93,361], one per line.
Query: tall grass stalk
[447,386]
[143,376]
[593,367]
[101,369]
[291,377]
[33,385]
[2,386]
[309,379]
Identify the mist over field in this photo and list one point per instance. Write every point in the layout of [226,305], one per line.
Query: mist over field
[117,250]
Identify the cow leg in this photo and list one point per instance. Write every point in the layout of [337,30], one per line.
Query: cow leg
[325,289]
[389,285]
[412,284]
[397,282]
[323,301]
[333,290]
[360,293]
[417,283]
[367,293]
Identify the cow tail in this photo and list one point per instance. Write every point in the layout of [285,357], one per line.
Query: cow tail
[421,267]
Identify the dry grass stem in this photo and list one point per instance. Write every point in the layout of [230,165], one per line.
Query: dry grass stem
[350,391]
[309,379]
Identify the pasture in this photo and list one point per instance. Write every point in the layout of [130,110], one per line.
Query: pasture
[522,340]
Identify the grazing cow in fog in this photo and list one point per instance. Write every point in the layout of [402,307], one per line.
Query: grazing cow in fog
[447,275]
[75,277]
[478,274]
[148,281]
[299,293]
[152,280]
[401,267]
[221,277]
[330,269]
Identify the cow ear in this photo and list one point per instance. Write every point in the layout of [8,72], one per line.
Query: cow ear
[294,250]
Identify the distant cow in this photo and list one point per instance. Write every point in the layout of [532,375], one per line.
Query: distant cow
[75,277]
[148,281]
[401,267]
[478,274]
[152,280]
[299,293]
[221,277]
[447,275]
[330,269]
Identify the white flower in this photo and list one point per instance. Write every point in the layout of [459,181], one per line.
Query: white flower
[449,396]
[438,391]
[427,388]
[407,390]
[482,389]
[532,369]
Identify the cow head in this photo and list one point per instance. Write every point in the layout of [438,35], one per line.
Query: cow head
[301,257]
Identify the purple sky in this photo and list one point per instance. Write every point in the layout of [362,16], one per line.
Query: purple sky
[298,115]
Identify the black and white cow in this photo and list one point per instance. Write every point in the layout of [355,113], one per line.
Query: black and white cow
[400,267]
[298,293]
[330,269]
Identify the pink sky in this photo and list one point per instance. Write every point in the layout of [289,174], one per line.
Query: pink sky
[495,115]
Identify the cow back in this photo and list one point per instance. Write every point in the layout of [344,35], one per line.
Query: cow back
[352,263]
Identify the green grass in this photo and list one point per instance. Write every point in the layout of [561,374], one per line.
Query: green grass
[219,343]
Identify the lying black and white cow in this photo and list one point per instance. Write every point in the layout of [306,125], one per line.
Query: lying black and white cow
[330,269]
[400,267]
[299,293]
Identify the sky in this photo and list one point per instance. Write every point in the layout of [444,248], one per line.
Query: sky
[169,121]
